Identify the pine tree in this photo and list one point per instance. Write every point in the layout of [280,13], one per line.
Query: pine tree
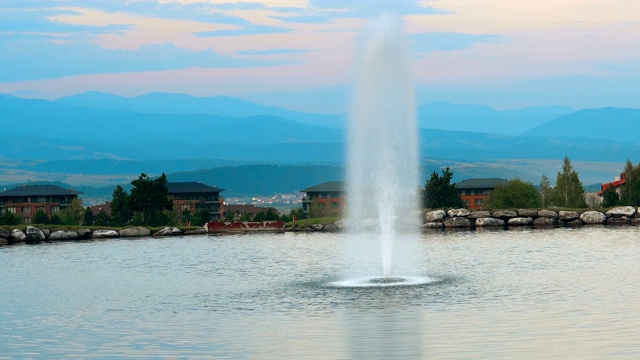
[630,191]
[545,191]
[569,191]
[439,192]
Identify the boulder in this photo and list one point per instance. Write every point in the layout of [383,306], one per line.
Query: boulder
[635,221]
[433,225]
[532,213]
[18,235]
[458,212]
[330,228]
[434,216]
[4,241]
[489,221]
[620,211]
[593,217]
[104,233]
[135,231]
[4,233]
[317,227]
[455,222]
[520,221]
[168,231]
[198,231]
[34,234]
[574,223]
[548,214]
[504,214]
[568,215]
[46,232]
[544,221]
[340,224]
[617,221]
[415,218]
[479,214]
[62,235]
[84,234]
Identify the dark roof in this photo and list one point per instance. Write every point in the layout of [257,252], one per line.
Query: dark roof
[191,187]
[481,183]
[331,186]
[95,209]
[38,190]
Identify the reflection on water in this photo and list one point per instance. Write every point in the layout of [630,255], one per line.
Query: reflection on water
[563,293]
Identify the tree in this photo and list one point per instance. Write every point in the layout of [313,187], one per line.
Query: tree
[630,191]
[245,217]
[545,191]
[150,197]
[102,219]
[317,209]
[40,217]
[73,214]
[120,208]
[186,217]
[202,217]
[439,192]
[9,218]
[88,217]
[271,215]
[515,194]
[569,191]
[610,197]
[229,216]
[55,219]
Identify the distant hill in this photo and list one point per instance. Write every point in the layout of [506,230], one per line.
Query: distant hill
[172,103]
[604,123]
[484,119]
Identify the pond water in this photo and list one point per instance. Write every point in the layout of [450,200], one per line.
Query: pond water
[560,293]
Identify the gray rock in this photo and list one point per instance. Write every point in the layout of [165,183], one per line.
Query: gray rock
[593,217]
[18,235]
[135,231]
[317,227]
[479,214]
[520,221]
[504,214]
[415,218]
[34,234]
[635,221]
[618,221]
[434,216]
[330,228]
[4,233]
[544,221]
[454,222]
[4,241]
[458,213]
[433,225]
[198,231]
[574,223]
[168,231]
[620,211]
[548,214]
[489,221]
[568,215]
[61,235]
[528,213]
[46,232]
[340,224]
[104,233]
[84,234]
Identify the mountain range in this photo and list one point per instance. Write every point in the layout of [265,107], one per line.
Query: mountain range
[102,134]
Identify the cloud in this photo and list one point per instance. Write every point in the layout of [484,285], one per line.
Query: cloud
[41,21]
[272,52]
[36,59]
[244,30]
[449,41]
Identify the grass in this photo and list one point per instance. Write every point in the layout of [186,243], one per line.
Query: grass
[308,222]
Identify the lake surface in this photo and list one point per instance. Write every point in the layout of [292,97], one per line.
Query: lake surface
[560,293]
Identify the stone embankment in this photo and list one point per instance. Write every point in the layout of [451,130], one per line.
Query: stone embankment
[34,234]
[506,219]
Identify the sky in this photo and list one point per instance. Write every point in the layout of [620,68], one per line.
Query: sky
[299,53]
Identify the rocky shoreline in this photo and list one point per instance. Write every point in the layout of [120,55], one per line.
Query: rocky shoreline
[431,220]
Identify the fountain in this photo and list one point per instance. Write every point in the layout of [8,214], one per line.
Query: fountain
[383,175]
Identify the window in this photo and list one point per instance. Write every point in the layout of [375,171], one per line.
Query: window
[184,207]
[478,202]
[335,205]
[26,210]
[12,209]
[55,209]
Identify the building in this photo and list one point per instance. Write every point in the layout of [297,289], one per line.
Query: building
[616,184]
[250,210]
[475,192]
[194,196]
[26,200]
[329,196]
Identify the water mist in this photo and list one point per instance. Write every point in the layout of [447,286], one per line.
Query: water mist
[382,175]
